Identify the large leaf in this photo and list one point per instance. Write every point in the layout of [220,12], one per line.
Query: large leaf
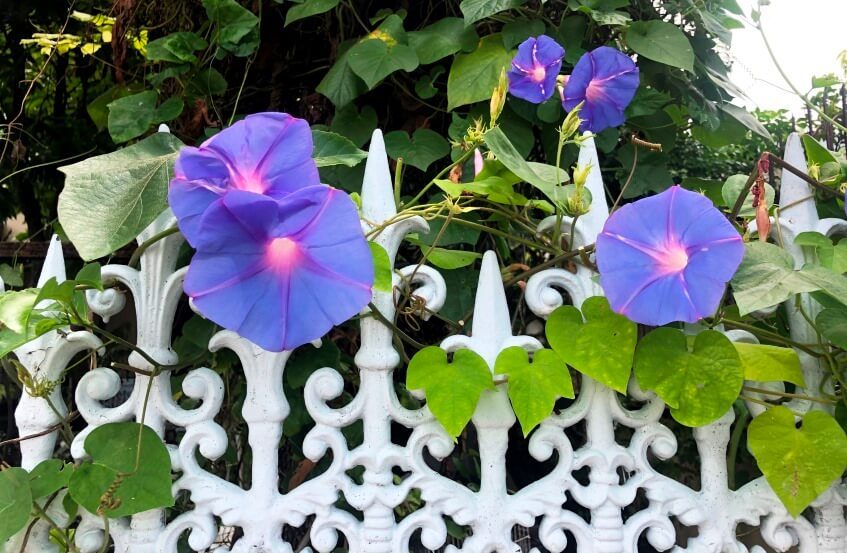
[334,149]
[452,389]
[109,199]
[421,150]
[340,84]
[499,144]
[49,476]
[767,277]
[131,116]
[799,464]
[382,52]
[698,384]
[662,42]
[15,502]
[474,10]
[308,9]
[763,363]
[473,76]
[237,27]
[176,48]
[443,38]
[137,487]
[832,256]
[534,387]
[353,124]
[600,347]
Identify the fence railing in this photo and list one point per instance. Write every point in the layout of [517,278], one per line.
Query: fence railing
[566,508]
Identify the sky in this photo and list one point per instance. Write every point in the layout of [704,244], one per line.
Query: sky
[806,36]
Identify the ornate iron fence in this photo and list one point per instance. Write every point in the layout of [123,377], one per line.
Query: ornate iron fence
[584,503]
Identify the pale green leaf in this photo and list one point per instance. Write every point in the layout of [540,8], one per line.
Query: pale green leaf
[109,199]
[382,268]
[601,346]
[534,387]
[15,502]
[452,389]
[764,363]
[732,188]
[474,76]
[799,464]
[450,259]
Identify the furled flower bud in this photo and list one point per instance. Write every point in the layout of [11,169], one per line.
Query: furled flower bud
[498,97]
[577,200]
[570,125]
[580,174]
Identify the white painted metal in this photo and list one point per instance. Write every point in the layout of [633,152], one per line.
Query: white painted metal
[617,471]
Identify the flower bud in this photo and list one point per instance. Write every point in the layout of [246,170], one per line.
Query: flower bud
[580,174]
[498,97]
[571,124]
[577,200]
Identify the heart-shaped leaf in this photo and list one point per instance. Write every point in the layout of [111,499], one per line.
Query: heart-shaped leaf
[137,487]
[799,464]
[534,387]
[601,347]
[452,389]
[425,147]
[15,502]
[700,383]
[333,149]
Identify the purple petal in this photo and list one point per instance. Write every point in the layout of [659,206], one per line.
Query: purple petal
[199,164]
[535,68]
[238,221]
[548,52]
[606,80]
[189,200]
[667,257]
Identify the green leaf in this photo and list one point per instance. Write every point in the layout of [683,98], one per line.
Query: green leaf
[168,110]
[340,84]
[799,464]
[832,256]
[832,324]
[334,149]
[208,82]
[238,27]
[600,347]
[816,153]
[764,363]
[732,188]
[515,32]
[15,502]
[90,275]
[662,42]
[506,153]
[473,76]
[443,38]
[382,268]
[131,116]
[382,52]
[12,276]
[699,385]
[113,448]
[98,109]
[474,10]
[15,308]
[452,389]
[425,147]
[767,277]
[450,259]
[306,361]
[308,9]
[356,125]
[49,476]
[534,387]
[176,47]
[747,119]
[109,199]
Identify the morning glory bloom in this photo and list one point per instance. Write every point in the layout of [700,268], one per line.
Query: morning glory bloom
[265,153]
[606,80]
[535,68]
[280,273]
[667,258]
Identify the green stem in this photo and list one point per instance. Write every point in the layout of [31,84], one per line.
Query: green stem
[497,232]
[139,251]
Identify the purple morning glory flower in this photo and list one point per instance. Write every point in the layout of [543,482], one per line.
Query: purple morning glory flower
[606,80]
[667,258]
[535,68]
[283,272]
[265,153]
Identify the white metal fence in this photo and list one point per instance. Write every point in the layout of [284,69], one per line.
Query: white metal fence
[674,516]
